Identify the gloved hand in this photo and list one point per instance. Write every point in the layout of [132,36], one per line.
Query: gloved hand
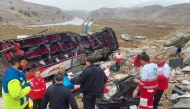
[30,84]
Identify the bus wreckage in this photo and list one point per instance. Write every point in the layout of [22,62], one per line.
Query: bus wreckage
[46,52]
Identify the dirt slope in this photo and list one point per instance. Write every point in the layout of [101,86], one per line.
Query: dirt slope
[19,12]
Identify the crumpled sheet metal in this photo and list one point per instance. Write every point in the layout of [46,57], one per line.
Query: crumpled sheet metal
[183,103]
[182,96]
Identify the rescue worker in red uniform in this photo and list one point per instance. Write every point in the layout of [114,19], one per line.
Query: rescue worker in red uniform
[107,72]
[148,83]
[38,90]
[163,78]
[118,58]
[137,62]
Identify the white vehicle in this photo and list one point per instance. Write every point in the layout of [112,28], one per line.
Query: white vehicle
[140,37]
[126,37]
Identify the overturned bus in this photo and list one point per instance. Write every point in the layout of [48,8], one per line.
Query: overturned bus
[46,52]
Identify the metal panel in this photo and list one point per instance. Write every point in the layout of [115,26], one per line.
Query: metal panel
[176,62]
[182,104]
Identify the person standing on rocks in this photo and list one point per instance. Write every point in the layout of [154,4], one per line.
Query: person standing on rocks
[118,58]
[163,78]
[178,51]
[148,83]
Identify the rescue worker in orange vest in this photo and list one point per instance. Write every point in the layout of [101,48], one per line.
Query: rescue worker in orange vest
[118,58]
[163,78]
[38,90]
[148,83]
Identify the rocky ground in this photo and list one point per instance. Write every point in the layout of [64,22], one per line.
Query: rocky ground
[178,77]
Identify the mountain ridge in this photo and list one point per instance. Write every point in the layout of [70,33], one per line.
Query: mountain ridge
[175,14]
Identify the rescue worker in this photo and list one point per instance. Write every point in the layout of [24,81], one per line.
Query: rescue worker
[137,62]
[15,88]
[163,78]
[59,96]
[148,83]
[91,82]
[118,58]
[107,72]
[38,90]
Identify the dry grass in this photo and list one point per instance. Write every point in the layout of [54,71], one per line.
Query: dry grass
[153,31]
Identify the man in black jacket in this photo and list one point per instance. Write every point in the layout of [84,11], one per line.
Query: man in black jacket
[59,96]
[92,82]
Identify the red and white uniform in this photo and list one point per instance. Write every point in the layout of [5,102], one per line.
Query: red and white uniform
[137,61]
[118,57]
[148,84]
[107,72]
[163,76]
[39,88]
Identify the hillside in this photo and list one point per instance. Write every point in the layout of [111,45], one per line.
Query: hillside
[175,14]
[19,12]
[77,13]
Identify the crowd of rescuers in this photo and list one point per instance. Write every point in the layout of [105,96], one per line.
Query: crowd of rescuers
[16,90]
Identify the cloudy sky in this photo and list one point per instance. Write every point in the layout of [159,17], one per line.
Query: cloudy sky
[95,4]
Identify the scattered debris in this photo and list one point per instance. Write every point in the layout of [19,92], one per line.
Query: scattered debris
[188,86]
[185,82]
[175,63]
[120,76]
[183,103]
[120,94]
[178,90]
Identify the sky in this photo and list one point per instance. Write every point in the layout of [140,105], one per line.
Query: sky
[96,4]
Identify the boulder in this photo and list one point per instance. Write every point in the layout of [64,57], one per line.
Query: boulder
[186,51]
[167,42]
[187,45]
[131,55]
[150,50]
[177,35]
[187,60]
[186,69]
[171,51]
